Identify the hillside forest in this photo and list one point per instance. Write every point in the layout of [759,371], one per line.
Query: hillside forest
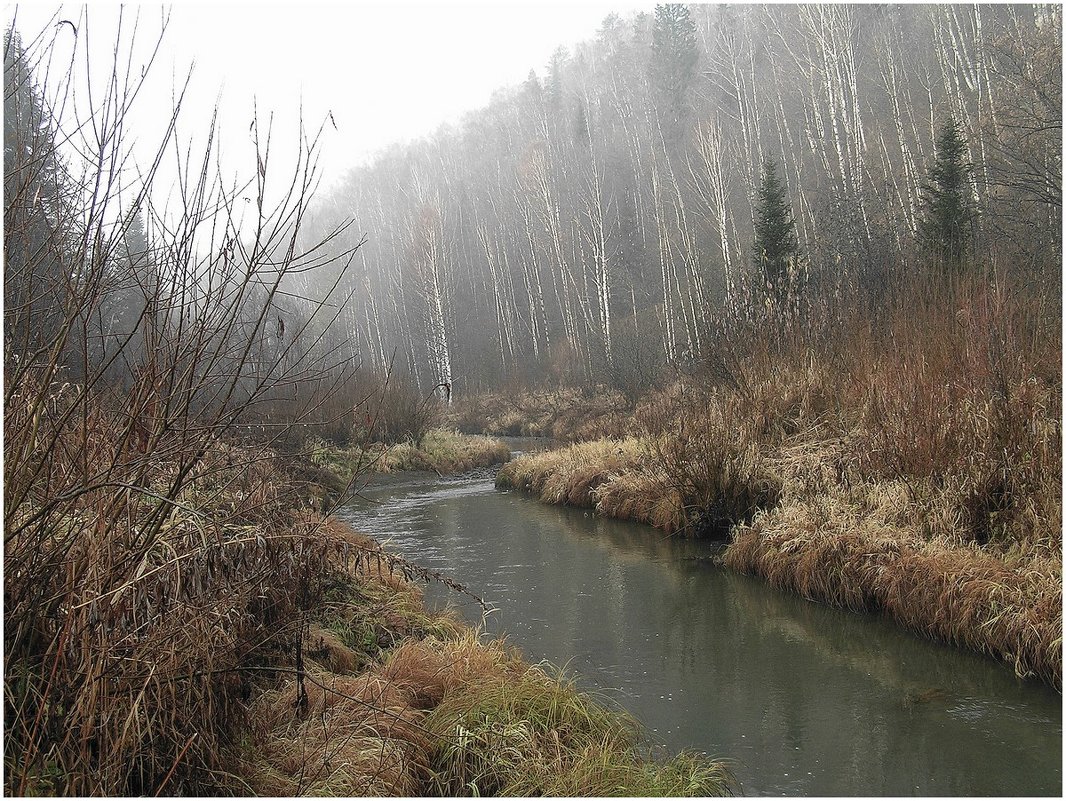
[784,279]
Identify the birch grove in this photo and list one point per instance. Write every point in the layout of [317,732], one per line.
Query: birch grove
[614,193]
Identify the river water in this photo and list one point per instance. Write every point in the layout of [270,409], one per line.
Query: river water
[804,699]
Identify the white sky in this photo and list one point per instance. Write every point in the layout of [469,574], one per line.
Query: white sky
[388,72]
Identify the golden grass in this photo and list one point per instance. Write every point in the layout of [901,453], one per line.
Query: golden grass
[912,466]
[513,729]
[630,479]
[441,451]
[864,547]
[445,715]
[352,736]
[615,477]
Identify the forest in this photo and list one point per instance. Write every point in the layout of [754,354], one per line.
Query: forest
[598,221]
[783,282]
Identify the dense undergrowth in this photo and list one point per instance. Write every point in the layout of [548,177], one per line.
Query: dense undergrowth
[229,638]
[909,465]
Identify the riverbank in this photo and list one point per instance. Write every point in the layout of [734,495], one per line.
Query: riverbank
[862,548]
[865,547]
[439,451]
[206,630]
[401,701]
[912,470]
[643,618]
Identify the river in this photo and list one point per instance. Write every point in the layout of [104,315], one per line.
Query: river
[804,699]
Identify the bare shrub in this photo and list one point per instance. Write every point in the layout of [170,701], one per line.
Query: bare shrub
[148,561]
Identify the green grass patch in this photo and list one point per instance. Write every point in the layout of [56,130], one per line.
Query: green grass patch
[536,734]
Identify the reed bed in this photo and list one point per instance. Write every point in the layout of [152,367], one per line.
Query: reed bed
[647,481]
[571,475]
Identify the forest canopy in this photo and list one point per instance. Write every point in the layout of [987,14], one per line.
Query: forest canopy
[612,199]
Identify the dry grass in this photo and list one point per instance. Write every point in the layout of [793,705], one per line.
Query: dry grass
[565,414]
[445,714]
[615,477]
[440,451]
[132,619]
[836,551]
[910,465]
[931,489]
[512,729]
[695,483]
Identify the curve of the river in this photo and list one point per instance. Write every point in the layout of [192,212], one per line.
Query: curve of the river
[805,699]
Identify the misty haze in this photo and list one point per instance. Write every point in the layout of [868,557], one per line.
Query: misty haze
[642,400]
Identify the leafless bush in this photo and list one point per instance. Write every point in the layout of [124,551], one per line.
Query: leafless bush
[147,561]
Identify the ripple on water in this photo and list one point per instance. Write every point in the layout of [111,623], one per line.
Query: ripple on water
[807,699]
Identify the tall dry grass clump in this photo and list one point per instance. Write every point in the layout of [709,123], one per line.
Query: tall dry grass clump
[512,729]
[932,492]
[440,712]
[615,477]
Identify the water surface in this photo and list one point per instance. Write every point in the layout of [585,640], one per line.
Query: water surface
[807,700]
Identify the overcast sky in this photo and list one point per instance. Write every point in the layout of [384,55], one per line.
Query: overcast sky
[387,72]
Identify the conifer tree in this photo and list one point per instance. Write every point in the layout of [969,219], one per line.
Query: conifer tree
[675,54]
[776,249]
[946,229]
[36,209]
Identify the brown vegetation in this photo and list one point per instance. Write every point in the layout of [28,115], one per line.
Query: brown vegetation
[253,646]
[433,710]
[908,463]
[440,451]
[569,414]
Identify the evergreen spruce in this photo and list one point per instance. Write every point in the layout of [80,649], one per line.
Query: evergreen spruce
[37,213]
[776,249]
[674,56]
[946,230]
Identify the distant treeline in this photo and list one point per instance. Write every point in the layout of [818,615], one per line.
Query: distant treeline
[600,216]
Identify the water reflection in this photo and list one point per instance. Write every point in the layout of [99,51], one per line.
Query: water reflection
[808,700]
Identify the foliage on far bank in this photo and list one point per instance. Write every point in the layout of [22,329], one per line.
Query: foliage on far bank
[440,451]
[564,413]
[907,463]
